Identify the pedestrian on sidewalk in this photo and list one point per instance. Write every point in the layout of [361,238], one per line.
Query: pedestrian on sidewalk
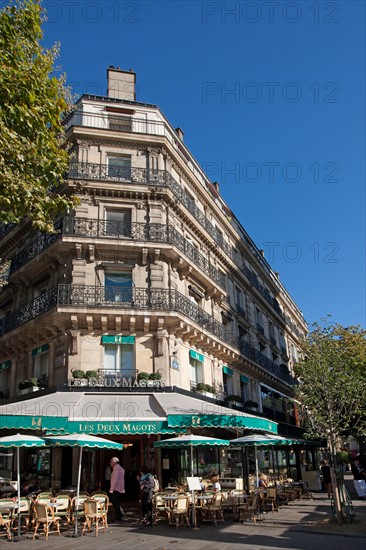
[146,480]
[327,480]
[117,487]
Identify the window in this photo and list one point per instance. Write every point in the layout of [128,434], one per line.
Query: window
[227,380]
[196,371]
[243,333]
[259,318]
[118,286]
[120,123]
[119,359]
[118,222]
[244,388]
[4,379]
[41,359]
[219,236]
[119,167]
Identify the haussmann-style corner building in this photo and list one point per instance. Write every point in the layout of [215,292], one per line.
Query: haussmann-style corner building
[148,313]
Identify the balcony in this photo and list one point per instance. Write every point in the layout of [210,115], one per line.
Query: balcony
[161,178]
[91,228]
[84,296]
[115,297]
[255,355]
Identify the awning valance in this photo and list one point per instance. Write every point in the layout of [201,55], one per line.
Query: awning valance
[103,412]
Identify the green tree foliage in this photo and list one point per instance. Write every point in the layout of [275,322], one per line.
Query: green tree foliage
[333,382]
[33,158]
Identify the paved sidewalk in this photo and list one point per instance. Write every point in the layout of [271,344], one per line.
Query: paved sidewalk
[305,524]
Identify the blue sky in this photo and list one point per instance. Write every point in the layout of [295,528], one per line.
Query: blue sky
[270,96]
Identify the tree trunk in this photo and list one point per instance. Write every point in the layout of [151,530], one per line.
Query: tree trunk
[336,498]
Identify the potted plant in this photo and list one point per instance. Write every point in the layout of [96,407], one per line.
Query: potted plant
[155,376]
[91,374]
[78,374]
[205,389]
[29,385]
[143,376]
[79,378]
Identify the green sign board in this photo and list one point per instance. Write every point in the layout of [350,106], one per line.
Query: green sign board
[118,339]
[244,379]
[195,355]
[227,370]
[5,365]
[40,349]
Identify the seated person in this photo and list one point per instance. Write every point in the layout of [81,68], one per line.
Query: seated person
[263,481]
[216,487]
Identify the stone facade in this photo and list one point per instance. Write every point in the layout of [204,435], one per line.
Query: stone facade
[151,252]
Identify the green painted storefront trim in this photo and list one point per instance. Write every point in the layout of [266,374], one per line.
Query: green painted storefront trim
[227,370]
[28,422]
[5,365]
[221,421]
[244,379]
[118,339]
[137,427]
[195,355]
[61,425]
[40,349]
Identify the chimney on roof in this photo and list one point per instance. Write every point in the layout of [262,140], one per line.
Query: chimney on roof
[179,133]
[216,186]
[261,252]
[121,84]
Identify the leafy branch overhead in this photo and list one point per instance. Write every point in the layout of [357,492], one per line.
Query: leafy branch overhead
[333,381]
[33,156]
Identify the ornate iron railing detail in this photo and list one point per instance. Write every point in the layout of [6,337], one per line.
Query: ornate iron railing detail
[5,228]
[162,178]
[255,355]
[29,311]
[136,298]
[116,123]
[87,227]
[35,247]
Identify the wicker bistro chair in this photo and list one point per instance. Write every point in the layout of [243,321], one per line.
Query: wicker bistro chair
[214,512]
[45,516]
[250,509]
[62,509]
[93,515]
[6,523]
[269,503]
[160,510]
[180,512]
[80,507]
[26,511]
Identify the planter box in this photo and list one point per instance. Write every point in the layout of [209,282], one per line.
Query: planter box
[207,394]
[29,390]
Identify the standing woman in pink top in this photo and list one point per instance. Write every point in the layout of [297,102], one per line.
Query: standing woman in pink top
[117,487]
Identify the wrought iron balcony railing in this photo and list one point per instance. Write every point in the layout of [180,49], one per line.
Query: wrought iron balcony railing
[86,227]
[5,228]
[162,178]
[255,355]
[139,299]
[112,297]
